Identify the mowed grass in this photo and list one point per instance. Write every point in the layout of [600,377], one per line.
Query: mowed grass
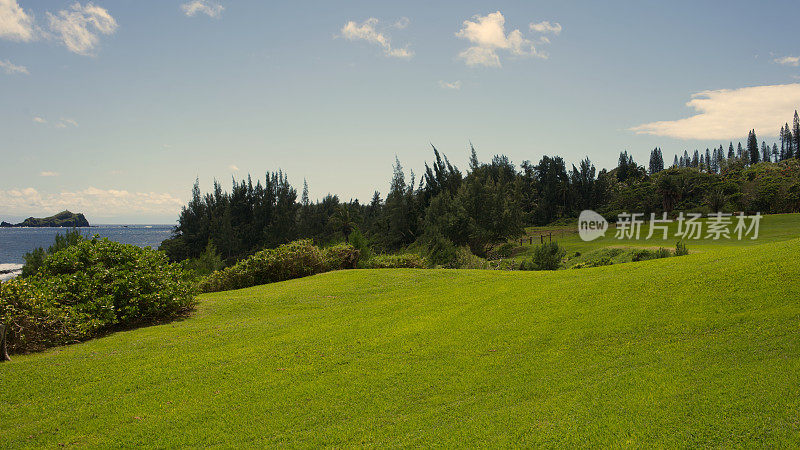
[772,228]
[701,350]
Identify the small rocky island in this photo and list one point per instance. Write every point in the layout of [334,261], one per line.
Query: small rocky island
[62,219]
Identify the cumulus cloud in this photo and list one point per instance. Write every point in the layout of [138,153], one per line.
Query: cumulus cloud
[455,85]
[11,69]
[546,27]
[488,36]
[91,201]
[793,61]
[39,120]
[209,8]
[48,173]
[15,23]
[730,113]
[233,167]
[78,27]
[366,31]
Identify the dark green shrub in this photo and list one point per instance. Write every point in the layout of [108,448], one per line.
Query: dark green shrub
[406,260]
[35,259]
[680,249]
[208,262]
[342,256]
[603,261]
[663,253]
[545,257]
[90,287]
[359,242]
[440,251]
[293,260]
[643,255]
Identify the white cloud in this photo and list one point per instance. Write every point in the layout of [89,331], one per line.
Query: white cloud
[11,69]
[64,123]
[731,113]
[546,27]
[488,35]
[793,61]
[366,31]
[39,120]
[78,27]
[233,167]
[15,23]
[209,8]
[91,201]
[402,23]
[48,173]
[455,85]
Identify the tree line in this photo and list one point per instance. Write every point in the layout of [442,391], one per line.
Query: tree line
[489,202]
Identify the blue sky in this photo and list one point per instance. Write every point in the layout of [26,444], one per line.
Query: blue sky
[113,108]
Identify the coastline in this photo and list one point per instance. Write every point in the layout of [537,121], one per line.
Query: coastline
[9,271]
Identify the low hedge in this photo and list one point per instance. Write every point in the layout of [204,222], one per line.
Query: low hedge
[294,260]
[405,260]
[89,288]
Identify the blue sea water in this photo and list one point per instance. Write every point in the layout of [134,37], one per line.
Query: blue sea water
[15,242]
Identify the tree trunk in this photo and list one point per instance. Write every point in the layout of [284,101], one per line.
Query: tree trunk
[3,351]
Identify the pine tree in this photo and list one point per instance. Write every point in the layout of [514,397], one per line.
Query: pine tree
[731,155]
[473,159]
[656,161]
[783,142]
[752,147]
[696,159]
[739,151]
[675,163]
[796,133]
[304,199]
[765,153]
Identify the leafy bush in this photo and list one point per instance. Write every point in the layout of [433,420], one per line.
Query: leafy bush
[545,257]
[359,242]
[342,256]
[600,262]
[293,260]
[208,262]
[662,253]
[680,249]
[504,250]
[35,259]
[440,251]
[405,260]
[90,287]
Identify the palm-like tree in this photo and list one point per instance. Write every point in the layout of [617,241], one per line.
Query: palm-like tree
[342,221]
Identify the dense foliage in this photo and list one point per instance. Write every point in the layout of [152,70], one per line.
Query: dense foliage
[397,261]
[294,260]
[89,288]
[490,203]
[35,258]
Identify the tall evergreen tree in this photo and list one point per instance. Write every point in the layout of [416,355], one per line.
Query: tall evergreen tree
[752,147]
[796,134]
[656,161]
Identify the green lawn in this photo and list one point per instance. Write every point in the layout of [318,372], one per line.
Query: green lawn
[700,350]
[773,228]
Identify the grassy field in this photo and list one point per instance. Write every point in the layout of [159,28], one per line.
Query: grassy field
[701,350]
[773,228]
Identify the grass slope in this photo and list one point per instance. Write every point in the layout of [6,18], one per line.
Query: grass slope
[701,350]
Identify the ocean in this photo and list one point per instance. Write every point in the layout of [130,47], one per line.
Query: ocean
[15,242]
